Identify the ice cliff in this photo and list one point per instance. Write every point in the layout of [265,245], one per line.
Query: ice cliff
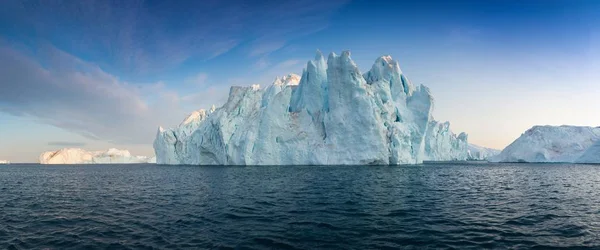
[550,144]
[481,153]
[591,155]
[332,114]
[80,156]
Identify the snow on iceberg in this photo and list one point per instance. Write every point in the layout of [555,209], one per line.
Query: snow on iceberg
[481,153]
[332,114]
[591,155]
[80,156]
[550,144]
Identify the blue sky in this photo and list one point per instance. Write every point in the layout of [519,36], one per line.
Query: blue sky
[100,74]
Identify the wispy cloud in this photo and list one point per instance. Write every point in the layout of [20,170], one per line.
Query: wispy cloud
[77,96]
[289,63]
[261,63]
[223,47]
[66,92]
[265,47]
[53,85]
[139,37]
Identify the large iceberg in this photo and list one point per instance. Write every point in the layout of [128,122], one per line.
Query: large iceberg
[481,153]
[591,155]
[80,156]
[550,144]
[332,114]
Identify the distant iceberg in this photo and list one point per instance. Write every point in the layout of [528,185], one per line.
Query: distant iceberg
[4,162]
[479,153]
[80,156]
[552,144]
[332,114]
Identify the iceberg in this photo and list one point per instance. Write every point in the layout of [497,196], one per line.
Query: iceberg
[591,155]
[4,162]
[479,153]
[443,145]
[80,156]
[550,144]
[330,115]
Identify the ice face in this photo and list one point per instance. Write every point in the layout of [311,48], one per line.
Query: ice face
[550,144]
[591,155]
[80,156]
[332,114]
[442,144]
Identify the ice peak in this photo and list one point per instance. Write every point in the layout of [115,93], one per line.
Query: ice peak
[387,69]
[342,61]
[319,55]
[195,116]
[387,62]
[346,54]
[331,56]
[463,136]
[277,81]
[384,68]
[291,80]
[387,59]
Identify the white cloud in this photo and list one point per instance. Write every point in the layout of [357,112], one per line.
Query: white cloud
[138,37]
[223,47]
[79,97]
[265,47]
[289,63]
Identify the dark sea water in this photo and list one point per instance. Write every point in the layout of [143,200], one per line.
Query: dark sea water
[300,207]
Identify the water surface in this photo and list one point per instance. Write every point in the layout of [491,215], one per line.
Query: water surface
[300,207]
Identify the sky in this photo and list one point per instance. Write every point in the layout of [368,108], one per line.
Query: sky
[102,74]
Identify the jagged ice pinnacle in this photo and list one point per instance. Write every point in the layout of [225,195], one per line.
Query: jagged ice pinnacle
[332,114]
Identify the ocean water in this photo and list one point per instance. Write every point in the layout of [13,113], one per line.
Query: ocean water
[300,207]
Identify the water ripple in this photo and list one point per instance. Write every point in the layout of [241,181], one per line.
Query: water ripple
[413,207]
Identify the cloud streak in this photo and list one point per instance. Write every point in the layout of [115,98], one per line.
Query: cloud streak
[266,47]
[66,92]
[77,96]
[142,37]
